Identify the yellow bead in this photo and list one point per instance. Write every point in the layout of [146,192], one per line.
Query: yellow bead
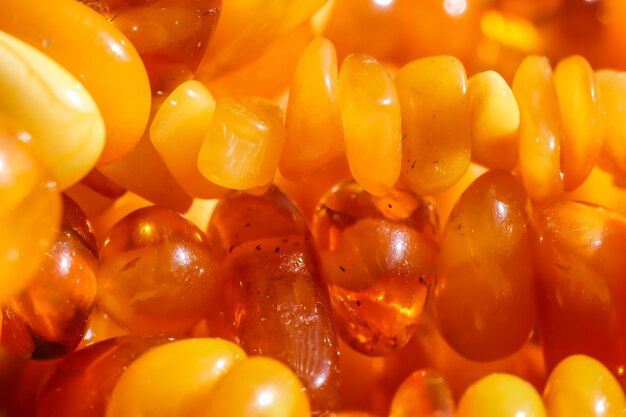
[175,379]
[435,123]
[501,395]
[177,132]
[494,121]
[313,121]
[583,119]
[242,147]
[42,97]
[613,92]
[583,387]
[540,128]
[370,111]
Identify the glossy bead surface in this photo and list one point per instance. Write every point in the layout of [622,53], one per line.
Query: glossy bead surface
[483,298]
[424,393]
[612,86]
[158,272]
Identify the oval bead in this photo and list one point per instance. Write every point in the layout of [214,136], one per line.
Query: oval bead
[424,393]
[612,86]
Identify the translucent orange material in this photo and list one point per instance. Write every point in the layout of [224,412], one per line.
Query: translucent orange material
[242,147]
[114,74]
[158,272]
[583,116]
[581,265]
[371,123]
[541,130]
[274,302]
[258,387]
[494,121]
[612,86]
[82,383]
[313,121]
[193,368]
[177,132]
[501,395]
[582,386]
[30,213]
[378,255]
[57,303]
[436,144]
[424,393]
[483,298]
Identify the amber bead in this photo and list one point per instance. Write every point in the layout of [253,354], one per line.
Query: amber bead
[483,298]
[274,301]
[82,383]
[612,86]
[424,393]
[158,272]
[378,256]
[579,252]
[57,303]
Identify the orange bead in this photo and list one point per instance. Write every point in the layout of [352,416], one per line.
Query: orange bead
[483,298]
[114,74]
[436,143]
[612,86]
[371,123]
[424,393]
[313,121]
[158,272]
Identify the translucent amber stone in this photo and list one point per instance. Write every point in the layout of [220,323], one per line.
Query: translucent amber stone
[242,147]
[274,302]
[30,213]
[313,121]
[541,130]
[378,255]
[612,86]
[158,272]
[494,121]
[483,298]
[580,385]
[580,287]
[82,383]
[114,75]
[371,123]
[583,119]
[424,393]
[56,305]
[436,140]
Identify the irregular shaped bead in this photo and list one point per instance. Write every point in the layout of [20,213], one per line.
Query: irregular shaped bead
[66,126]
[313,122]
[541,130]
[612,86]
[242,147]
[371,123]
[494,121]
[158,272]
[583,119]
[424,393]
[483,298]
[114,75]
[436,144]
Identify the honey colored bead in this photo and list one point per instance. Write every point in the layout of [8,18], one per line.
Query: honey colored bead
[82,383]
[612,86]
[114,75]
[242,147]
[582,386]
[501,395]
[177,132]
[371,123]
[580,286]
[313,121]
[541,130]
[56,305]
[174,379]
[494,121]
[483,298]
[436,145]
[378,255]
[424,393]
[583,119]
[258,387]
[30,213]
[158,272]
[66,126]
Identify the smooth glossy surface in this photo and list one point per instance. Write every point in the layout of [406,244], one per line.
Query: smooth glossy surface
[424,393]
[612,86]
